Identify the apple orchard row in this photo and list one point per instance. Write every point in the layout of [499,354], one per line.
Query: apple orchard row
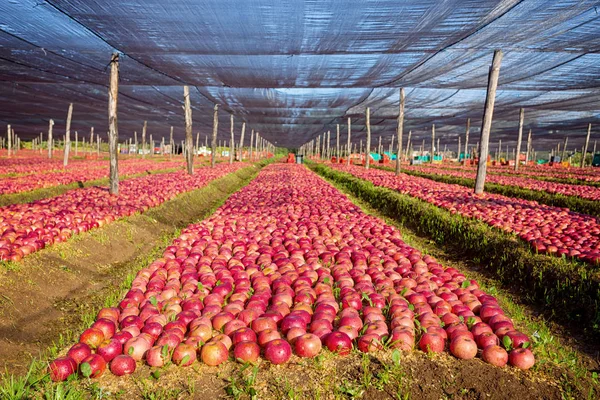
[548,229]
[289,265]
[27,228]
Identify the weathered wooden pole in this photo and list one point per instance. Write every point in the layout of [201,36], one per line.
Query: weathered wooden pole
[459,149]
[391,149]
[594,150]
[408,144]
[213,142]
[144,128]
[587,142]
[520,137]
[337,144]
[91,140]
[432,142]
[172,144]
[379,146]
[135,142]
[438,145]
[499,150]
[9,139]
[113,133]
[368,146]
[231,143]
[50,144]
[98,140]
[67,144]
[328,154]
[399,131]
[76,144]
[486,124]
[528,153]
[349,140]
[197,143]
[242,141]
[189,136]
[251,144]
[564,152]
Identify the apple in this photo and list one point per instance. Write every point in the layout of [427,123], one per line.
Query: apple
[246,351]
[521,358]
[402,339]
[338,342]
[463,347]
[61,368]
[110,349]
[278,351]
[495,355]
[93,366]
[432,343]
[307,345]
[184,355]
[122,337]
[136,348]
[107,327]
[294,333]
[263,323]
[79,351]
[243,335]
[214,353]
[267,335]
[93,337]
[369,343]
[487,339]
[226,340]
[122,365]
[157,356]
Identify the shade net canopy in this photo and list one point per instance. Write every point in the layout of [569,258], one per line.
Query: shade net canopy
[293,69]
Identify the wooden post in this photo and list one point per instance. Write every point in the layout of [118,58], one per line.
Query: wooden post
[172,144]
[486,124]
[213,143]
[76,144]
[379,146]
[50,144]
[391,148]
[564,152]
[438,145]
[587,142]
[528,153]
[520,137]
[423,148]
[432,142]
[349,140]
[9,139]
[231,143]
[144,139]
[499,150]
[113,133]
[337,143]
[251,144]
[197,143]
[135,142]
[91,139]
[399,131]
[242,141]
[189,138]
[459,149]
[594,151]
[408,145]
[328,153]
[67,144]
[361,147]
[368,146]
[98,140]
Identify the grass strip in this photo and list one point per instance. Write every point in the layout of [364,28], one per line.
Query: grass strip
[570,289]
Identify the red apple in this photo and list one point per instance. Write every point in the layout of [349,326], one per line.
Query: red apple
[495,355]
[110,349]
[267,335]
[79,351]
[61,368]
[136,348]
[307,345]
[107,327]
[247,351]
[92,366]
[243,335]
[521,358]
[214,353]
[463,347]
[432,342]
[278,351]
[92,337]
[122,365]
[338,342]
[184,355]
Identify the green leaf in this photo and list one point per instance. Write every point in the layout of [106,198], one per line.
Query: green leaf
[326,280]
[164,352]
[185,359]
[131,350]
[200,287]
[86,369]
[403,292]
[396,356]
[153,301]
[526,345]
[218,283]
[156,374]
[507,342]
[471,321]
[465,284]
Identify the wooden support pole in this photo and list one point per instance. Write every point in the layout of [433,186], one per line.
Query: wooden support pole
[98,140]
[189,136]
[144,128]
[408,145]
[587,142]
[349,140]
[399,130]
[113,133]
[242,141]
[337,143]
[135,142]
[594,150]
[391,148]
[499,150]
[328,153]
[368,146]
[67,144]
[50,144]
[563,156]
[438,145]
[432,142]
[251,144]
[528,153]
[520,137]
[459,149]
[213,143]
[379,146]
[486,124]
[231,141]
[9,139]
[76,143]
[171,144]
